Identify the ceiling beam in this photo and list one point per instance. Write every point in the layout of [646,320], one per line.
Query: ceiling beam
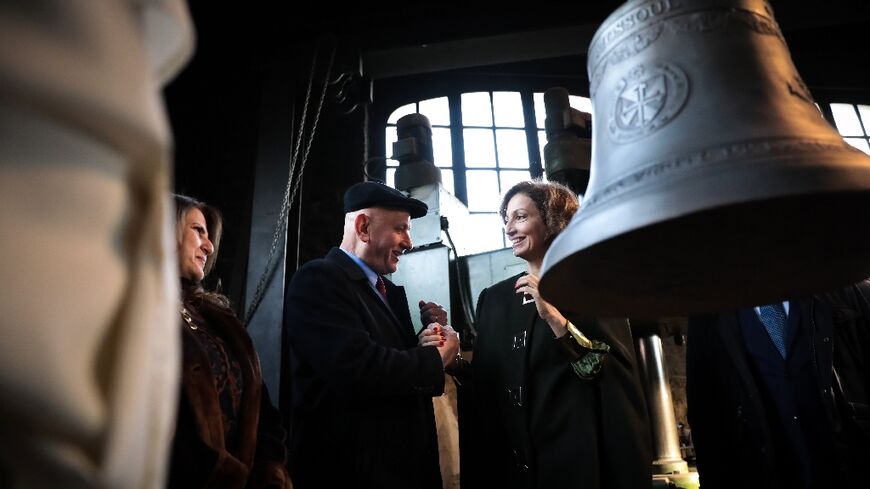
[481,51]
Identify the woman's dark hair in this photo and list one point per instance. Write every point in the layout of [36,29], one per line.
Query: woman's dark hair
[556,203]
[214,224]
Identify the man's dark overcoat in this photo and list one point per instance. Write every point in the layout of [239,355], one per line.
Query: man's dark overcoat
[734,428]
[362,390]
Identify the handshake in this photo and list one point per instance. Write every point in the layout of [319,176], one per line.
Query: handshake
[437,332]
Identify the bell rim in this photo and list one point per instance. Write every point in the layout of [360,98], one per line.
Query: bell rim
[848,182]
[604,280]
[853,175]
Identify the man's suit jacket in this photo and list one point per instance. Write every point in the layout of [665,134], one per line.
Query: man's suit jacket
[361,411]
[727,409]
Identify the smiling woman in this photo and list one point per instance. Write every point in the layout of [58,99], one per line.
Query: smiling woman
[227,431]
[574,405]
[195,248]
[502,143]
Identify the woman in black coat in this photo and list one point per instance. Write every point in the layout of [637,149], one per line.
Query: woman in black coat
[228,434]
[558,401]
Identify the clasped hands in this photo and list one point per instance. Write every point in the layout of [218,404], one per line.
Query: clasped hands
[437,332]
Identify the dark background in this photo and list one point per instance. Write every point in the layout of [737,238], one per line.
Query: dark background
[251,66]
[233,109]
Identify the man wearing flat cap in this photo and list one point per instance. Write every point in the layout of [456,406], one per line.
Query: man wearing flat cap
[362,387]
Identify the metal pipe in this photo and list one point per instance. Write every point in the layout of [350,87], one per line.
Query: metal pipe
[668,459]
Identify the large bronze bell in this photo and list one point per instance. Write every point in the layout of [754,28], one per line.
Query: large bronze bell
[715,181]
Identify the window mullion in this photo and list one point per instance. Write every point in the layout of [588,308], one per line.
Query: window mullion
[495,143]
[457,147]
[860,121]
[536,167]
[828,114]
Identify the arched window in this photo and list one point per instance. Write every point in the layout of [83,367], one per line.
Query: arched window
[484,143]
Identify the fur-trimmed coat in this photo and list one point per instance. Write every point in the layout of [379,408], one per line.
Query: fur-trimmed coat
[201,457]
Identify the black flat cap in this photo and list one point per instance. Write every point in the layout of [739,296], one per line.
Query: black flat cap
[372,194]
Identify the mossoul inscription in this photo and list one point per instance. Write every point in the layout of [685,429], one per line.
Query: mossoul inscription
[688,23]
[629,21]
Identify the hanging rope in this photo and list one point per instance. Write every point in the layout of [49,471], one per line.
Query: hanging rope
[294,181]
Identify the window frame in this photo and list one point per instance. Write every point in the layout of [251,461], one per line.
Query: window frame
[457,140]
[828,113]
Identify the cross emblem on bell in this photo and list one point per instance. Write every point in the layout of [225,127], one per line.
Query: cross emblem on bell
[640,103]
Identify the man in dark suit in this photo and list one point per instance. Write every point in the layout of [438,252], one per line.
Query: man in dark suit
[778,394]
[361,412]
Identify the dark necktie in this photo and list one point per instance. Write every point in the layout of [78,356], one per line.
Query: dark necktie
[773,317]
[382,288]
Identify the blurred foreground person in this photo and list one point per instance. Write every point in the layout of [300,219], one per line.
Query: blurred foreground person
[89,346]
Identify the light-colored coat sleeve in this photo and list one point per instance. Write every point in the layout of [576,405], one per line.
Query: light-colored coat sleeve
[89,351]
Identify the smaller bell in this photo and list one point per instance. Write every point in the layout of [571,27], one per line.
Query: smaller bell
[414,152]
[568,151]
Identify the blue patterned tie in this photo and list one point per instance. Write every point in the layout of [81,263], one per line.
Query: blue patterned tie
[773,317]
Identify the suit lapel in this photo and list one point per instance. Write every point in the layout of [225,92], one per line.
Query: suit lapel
[399,311]
[358,277]
[820,323]
[792,324]
[526,315]
[519,321]
[376,298]
[732,342]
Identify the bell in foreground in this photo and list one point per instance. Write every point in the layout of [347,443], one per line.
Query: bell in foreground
[715,181]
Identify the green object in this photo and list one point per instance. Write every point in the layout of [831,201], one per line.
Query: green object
[588,366]
[677,481]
